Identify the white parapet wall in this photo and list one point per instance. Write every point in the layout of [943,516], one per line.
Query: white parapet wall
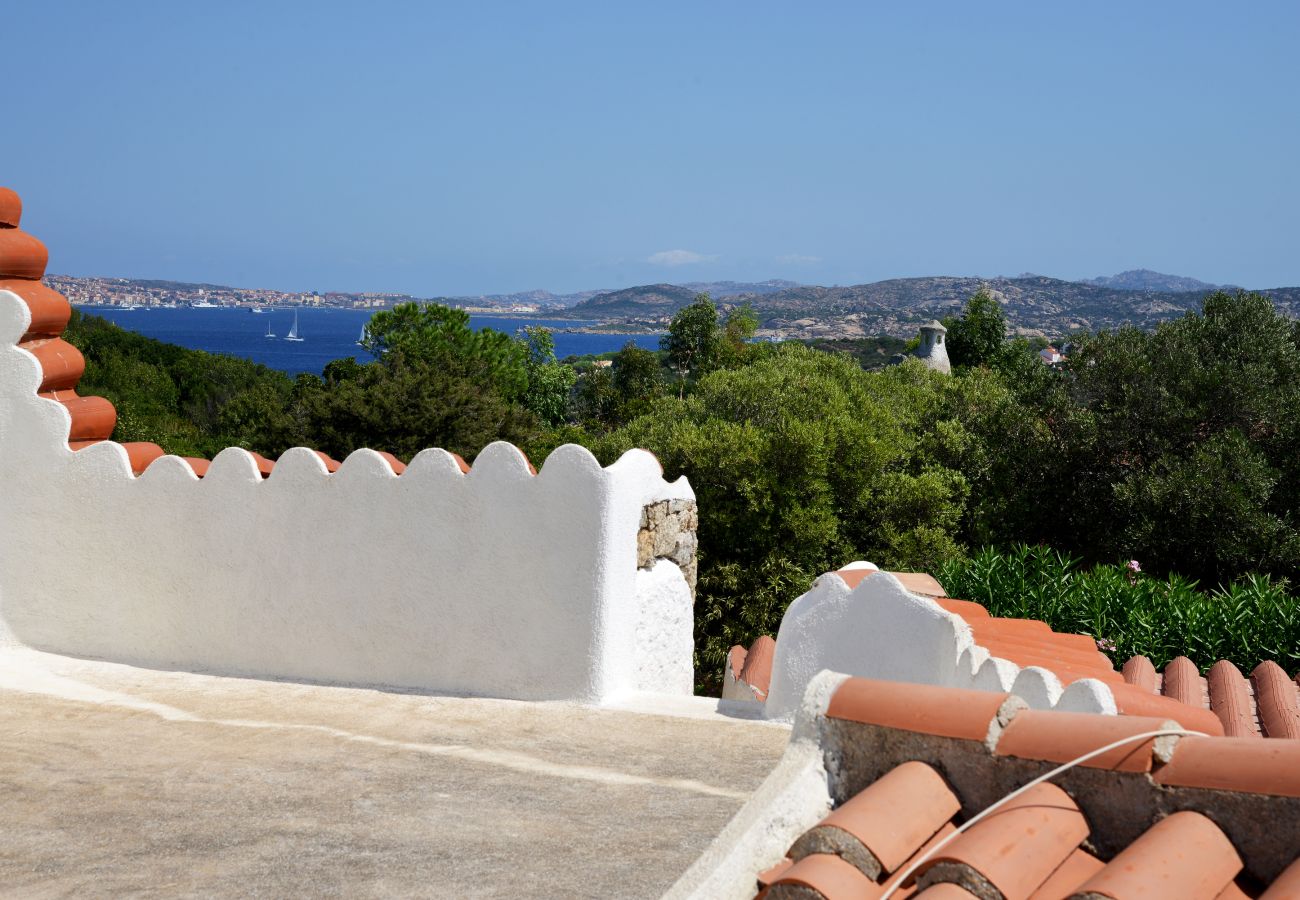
[880,630]
[494,582]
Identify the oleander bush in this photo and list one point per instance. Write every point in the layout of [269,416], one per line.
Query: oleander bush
[1247,621]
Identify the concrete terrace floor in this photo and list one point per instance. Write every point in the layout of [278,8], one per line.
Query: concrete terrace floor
[116,780]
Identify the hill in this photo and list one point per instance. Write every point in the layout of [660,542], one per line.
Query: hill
[1034,304]
[1147,280]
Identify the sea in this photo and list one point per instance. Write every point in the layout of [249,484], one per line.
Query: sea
[327,334]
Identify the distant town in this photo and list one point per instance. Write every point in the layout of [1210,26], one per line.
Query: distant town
[129,293]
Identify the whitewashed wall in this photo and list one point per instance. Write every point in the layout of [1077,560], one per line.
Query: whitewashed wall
[880,630]
[496,582]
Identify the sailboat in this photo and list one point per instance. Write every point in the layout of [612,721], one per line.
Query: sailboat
[293,332]
[361,340]
[268,329]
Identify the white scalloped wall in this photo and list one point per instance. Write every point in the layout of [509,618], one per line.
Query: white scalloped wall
[880,630]
[496,582]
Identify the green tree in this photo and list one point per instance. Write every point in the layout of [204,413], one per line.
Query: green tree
[976,337]
[692,342]
[549,381]
[801,462]
[432,332]
[637,380]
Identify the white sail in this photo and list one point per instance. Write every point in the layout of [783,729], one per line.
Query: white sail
[293,332]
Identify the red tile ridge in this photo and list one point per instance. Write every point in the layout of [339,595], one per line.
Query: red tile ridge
[907,890]
[394,463]
[736,660]
[923,708]
[1230,700]
[757,670]
[11,208]
[1184,855]
[1133,701]
[200,466]
[967,609]
[829,876]
[1243,765]
[1015,849]
[460,462]
[21,255]
[1183,683]
[50,310]
[1063,736]
[331,464]
[1275,698]
[1140,673]
[62,364]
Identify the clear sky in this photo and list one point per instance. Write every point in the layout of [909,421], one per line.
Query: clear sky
[482,147]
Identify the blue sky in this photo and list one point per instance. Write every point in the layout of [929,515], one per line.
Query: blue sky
[489,147]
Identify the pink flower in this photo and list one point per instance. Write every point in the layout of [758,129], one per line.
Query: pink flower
[1134,566]
[1105,645]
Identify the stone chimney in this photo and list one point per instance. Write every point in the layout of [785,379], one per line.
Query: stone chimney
[932,351]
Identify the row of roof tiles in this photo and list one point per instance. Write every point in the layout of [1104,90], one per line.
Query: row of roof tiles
[1040,845]
[1267,704]
[22,266]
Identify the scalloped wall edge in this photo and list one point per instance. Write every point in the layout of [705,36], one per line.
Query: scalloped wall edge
[492,581]
[880,630]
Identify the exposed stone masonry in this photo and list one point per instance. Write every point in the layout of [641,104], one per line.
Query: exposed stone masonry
[668,532]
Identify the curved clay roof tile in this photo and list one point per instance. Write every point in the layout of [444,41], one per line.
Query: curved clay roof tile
[1043,825]
[50,310]
[11,208]
[21,255]
[1184,855]
[757,671]
[1275,695]
[1230,700]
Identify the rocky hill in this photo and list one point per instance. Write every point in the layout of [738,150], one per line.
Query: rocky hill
[1146,280]
[1034,304]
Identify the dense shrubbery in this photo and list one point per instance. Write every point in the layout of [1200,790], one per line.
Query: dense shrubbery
[1174,446]
[1247,622]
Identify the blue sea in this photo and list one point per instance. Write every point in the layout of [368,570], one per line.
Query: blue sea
[328,334]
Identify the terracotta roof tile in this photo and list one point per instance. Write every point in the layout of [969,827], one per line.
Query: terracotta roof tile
[967,609]
[1063,736]
[906,891]
[21,255]
[397,465]
[769,875]
[93,418]
[1133,701]
[200,466]
[1243,765]
[920,583]
[757,670]
[1184,856]
[880,828]
[945,890]
[11,208]
[331,464]
[1078,867]
[1275,695]
[829,876]
[947,712]
[50,310]
[1140,673]
[1043,826]
[1230,700]
[62,364]
[460,462]
[1263,705]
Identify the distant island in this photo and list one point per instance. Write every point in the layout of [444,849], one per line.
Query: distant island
[1035,305]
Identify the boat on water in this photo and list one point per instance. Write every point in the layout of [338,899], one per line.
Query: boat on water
[361,341]
[256,310]
[269,333]
[203,304]
[293,332]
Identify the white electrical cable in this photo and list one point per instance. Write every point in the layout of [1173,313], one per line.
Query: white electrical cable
[906,873]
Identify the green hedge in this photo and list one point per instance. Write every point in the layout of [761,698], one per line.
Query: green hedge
[1249,621]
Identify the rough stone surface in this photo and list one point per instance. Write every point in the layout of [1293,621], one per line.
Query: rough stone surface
[120,781]
[668,531]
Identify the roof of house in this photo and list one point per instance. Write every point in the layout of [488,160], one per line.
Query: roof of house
[1223,702]
[22,266]
[1168,816]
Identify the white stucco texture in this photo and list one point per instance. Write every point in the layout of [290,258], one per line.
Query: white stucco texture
[880,630]
[496,582]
